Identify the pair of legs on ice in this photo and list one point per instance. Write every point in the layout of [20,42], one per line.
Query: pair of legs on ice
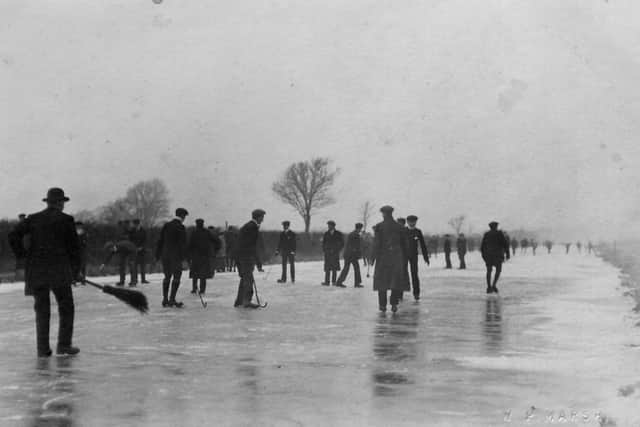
[394,299]
[491,286]
[194,286]
[247,282]
[348,262]
[290,259]
[172,275]
[66,310]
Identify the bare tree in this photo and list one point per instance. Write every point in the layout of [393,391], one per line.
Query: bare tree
[113,212]
[148,201]
[457,222]
[366,212]
[306,186]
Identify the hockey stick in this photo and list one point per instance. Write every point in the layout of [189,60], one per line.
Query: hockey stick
[255,288]
[204,303]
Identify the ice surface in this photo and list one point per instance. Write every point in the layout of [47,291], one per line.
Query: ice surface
[557,345]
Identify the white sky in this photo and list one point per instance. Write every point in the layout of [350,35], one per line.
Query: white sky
[522,111]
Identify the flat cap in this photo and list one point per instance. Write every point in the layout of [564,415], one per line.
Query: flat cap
[331,222]
[286,223]
[199,221]
[181,212]
[493,224]
[386,209]
[359,225]
[412,218]
[257,213]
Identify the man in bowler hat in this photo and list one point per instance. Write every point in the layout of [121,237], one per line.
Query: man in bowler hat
[49,242]
[172,251]
[352,253]
[246,257]
[416,240]
[332,244]
[390,260]
[494,248]
[287,249]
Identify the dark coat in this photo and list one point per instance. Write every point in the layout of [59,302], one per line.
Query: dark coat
[138,236]
[246,248]
[446,247]
[124,248]
[202,248]
[287,243]
[353,247]
[49,242]
[494,247]
[172,245]
[417,238]
[461,245]
[332,244]
[391,248]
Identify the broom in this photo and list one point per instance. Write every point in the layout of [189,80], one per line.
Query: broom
[130,297]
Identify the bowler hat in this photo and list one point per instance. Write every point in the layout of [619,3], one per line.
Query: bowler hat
[286,223]
[412,218]
[386,209]
[331,222]
[493,224]
[181,212]
[55,194]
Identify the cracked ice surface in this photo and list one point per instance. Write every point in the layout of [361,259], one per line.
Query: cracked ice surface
[560,339]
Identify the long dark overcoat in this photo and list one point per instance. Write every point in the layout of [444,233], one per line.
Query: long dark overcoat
[391,248]
[494,247]
[332,244]
[201,252]
[49,241]
[172,245]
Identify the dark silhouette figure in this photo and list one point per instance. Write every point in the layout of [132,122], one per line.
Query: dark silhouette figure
[246,258]
[567,246]
[494,248]
[548,244]
[230,238]
[171,250]
[534,246]
[48,242]
[332,244]
[416,240]
[433,245]
[514,245]
[590,247]
[352,253]
[287,249]
[390,258]
[124,250]
[524,244]
[202,248]
[446,247]
[579,246]
[138,236]
[461,246]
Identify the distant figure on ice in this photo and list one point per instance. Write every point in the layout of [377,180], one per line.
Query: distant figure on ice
[590,247]
[461,246]
[83,240]
[524,244]
[48,241]
[332,244]
[221,255]
[287,250]
[172,251]
[230,237]
[494,248]
[125,251]
[433,245]
[579,246]
[352,253]
[446,247]
[567,246]
[390,257]
[246,258]
[366,243]
[416,239]
[202,247]
[548,244]
[20,260]
[138,237]
[514,245]
[534,246]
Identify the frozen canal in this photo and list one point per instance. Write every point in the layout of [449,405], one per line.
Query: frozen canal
[558,346]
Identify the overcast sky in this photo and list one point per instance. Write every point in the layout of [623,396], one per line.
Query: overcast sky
[527,112]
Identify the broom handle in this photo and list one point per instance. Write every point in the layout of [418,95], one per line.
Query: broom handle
[94,284]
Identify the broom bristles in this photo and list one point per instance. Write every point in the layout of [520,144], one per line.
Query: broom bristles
[135,299]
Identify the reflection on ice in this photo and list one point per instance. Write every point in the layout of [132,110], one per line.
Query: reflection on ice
[493,325]
[51,400]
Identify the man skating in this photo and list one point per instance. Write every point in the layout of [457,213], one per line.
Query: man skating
[494,248]
[332,244]
[49,243]
[461,248]
[138,236]
[246,258]
[171,250]
[287,250]
[352,253]
[446,248]
[390,258]
[416,240]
